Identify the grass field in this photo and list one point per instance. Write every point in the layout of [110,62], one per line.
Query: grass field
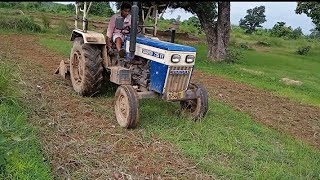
[226,143]
[265,68]
[20,151]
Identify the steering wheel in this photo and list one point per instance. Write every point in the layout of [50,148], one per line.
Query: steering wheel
[129,28]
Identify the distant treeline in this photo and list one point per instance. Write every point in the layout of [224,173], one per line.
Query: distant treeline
[98,8]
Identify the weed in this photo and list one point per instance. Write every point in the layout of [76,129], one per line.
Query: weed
[303,50]
[20,152]
[63,28]
[19,23]
[46,21]
[233,56]
[263,43]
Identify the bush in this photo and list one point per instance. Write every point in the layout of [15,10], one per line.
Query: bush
[244,46]
[303,50]
[46,21]
[20,23]
[233,56]
[63,28]
[263,43]
[281,30]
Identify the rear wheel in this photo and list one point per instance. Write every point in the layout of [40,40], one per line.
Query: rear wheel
[85,68]
[126,106]
[196,108]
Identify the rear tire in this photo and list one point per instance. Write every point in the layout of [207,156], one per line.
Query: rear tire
[126,106]
[196,108]
[85,68]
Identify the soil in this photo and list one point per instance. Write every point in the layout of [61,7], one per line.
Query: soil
[300,120]
[81,136]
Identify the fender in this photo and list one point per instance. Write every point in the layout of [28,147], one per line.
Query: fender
[90,37]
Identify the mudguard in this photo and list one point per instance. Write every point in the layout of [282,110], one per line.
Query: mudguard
[89,37]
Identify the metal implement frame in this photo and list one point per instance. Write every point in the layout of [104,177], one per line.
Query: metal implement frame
[85,10]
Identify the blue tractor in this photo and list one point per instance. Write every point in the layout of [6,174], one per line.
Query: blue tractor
[150,69]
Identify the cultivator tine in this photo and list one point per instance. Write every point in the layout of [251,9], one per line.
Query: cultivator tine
[63,68]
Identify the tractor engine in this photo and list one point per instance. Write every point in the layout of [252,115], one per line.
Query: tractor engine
[140,72]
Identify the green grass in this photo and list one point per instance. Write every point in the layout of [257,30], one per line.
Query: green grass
[271,67]
[60,46]
[231,145]
[226,143]
[20,151]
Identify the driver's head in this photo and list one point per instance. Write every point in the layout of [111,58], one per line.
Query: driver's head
[125,9]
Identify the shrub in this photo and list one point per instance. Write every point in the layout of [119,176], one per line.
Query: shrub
[20,23]
[303,50]
[280,30]
[244,46]
[233,56]
[46,21]
[63,28]
[263,43]
[232,42]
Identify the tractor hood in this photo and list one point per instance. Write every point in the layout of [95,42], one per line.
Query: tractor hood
[163,44]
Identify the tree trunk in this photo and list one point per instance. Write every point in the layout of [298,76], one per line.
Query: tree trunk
[210,30]
[223,30]
[217,33]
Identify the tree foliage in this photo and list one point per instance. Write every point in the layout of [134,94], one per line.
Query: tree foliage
[281,30]
[253,19]
[206,10]
[314,33]
[101,9]
[312,10]
[194,21]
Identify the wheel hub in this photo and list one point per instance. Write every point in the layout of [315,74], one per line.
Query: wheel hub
[77,65]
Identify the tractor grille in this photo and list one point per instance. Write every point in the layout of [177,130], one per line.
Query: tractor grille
[178,78]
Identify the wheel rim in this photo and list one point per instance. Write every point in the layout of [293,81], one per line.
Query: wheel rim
[192,108]
[122,110]
[191,105]
[77,67]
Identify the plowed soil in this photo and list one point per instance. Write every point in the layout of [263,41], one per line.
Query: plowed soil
[82,140]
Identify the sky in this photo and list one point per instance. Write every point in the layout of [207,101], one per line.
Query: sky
[274,11]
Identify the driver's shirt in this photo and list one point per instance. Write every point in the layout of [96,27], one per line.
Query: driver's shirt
[112,25]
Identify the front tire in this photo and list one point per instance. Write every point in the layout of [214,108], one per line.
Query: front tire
[196,108]
[85,68]
[126,106]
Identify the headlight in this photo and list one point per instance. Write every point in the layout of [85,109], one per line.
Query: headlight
[190,59]
[175,58]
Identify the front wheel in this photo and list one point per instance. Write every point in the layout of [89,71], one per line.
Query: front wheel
[196,108]
[126,106]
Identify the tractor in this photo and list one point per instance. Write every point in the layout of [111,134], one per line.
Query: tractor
[150,68]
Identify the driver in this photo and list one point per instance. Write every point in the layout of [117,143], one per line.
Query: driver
[116,35]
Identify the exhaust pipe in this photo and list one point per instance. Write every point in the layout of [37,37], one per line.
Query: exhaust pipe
[134,29]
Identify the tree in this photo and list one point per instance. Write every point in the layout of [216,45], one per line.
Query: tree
[194,21]
[178,19]
[281,30]
[314,33]
[312,10]
[161,7]
[101,9]
[215,21]
[253,19]
[296,33]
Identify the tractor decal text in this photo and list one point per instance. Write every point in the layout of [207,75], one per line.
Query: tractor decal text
[153,53]
[179,72]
